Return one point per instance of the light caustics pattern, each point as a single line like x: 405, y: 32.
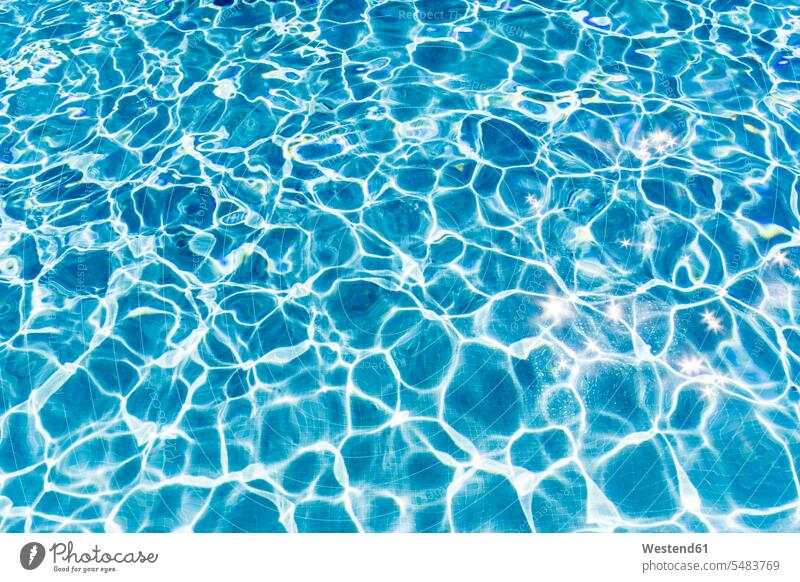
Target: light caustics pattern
x: 381, y: 266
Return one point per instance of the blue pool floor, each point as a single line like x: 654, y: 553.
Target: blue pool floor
x: 431, y: 266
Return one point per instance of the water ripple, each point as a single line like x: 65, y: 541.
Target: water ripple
x: 461, y: 265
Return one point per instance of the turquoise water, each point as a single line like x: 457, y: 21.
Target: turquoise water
x: 399, y: 266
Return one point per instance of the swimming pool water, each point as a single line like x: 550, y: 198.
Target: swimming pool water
x: 444, y: 265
